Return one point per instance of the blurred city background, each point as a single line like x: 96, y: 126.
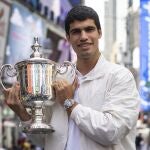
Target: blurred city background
x: 125, y: 40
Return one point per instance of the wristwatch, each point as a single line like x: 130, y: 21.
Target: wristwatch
x: 68, y: 103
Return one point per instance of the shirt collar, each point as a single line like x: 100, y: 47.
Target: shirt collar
x: 96, y: 72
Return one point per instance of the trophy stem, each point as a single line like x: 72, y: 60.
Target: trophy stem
x: 38, y: 124
x: 37, y: 113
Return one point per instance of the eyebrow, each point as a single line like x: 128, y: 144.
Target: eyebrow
x: 78, y: 29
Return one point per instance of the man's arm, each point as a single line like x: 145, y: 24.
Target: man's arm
x: 116, y: 118
x: 12, y: 99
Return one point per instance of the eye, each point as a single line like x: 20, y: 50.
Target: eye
x: 75, y: 31
x: 90, y: 29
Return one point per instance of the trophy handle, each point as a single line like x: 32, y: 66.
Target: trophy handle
x: 9, y: 68
x: 63, y: 68
x: 67, y: 71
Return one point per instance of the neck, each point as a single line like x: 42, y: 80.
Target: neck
x: 85, y: 66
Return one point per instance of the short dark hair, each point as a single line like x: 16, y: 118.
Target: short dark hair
x: 81, y: 13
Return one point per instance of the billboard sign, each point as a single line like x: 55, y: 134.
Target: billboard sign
x: 4, y: 19
x: 24, y: 26
x: 145, y: 54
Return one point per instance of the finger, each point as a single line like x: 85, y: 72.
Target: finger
x: 75, y: 83
x: 56, y: 86
x: 17, y: 93
x: 6, y: 91
x: 55, y: 83
x: 13, y: 95
x: 8, y: 96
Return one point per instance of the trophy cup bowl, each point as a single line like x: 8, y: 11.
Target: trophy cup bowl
x: 36, y: 76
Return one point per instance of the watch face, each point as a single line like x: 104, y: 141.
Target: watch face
x: 68, y: 103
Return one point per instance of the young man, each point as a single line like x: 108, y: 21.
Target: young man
x: 99, y: 110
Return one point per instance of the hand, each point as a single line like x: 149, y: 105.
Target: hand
x: 64, y: 90
x: 12, y: 99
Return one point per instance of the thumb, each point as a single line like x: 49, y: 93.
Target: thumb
x: 75, y: 83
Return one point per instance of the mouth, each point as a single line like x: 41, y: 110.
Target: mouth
x: 84, y: 45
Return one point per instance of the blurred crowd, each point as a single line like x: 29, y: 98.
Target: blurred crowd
x: 23, y: 143
x: 143, y: 132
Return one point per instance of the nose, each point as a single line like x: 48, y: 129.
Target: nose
x: 83, y: 36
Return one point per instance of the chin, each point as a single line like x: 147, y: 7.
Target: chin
x: 85, y: 56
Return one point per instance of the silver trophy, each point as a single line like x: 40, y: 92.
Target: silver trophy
x: 36, y: 76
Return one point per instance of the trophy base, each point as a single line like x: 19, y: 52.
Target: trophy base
x: 39, y: 128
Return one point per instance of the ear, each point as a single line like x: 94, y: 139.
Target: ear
x: 100, y: 33
x: 67, y: 37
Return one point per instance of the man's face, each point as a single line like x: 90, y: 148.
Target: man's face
x: 83, y: 36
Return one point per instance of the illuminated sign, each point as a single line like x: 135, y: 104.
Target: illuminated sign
x: 145, y: 54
